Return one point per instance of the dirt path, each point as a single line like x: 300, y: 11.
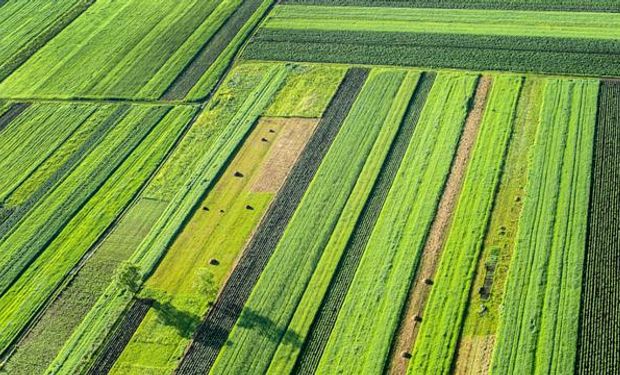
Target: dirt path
x: 420, y: 291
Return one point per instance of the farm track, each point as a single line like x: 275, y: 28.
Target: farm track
x: 213, y: 332
x: 120, y: 336
x: 210, y: 51
x: 420, y: 291
x: 599, y: 332
x: 18, y: 213
x: 41, y: 40
x: 13, y: 112
x: 325, y: 319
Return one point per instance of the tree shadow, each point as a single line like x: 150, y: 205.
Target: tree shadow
x: 184, y: 322
x: 251, y: 319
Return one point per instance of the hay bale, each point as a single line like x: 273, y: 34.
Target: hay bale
x: 214, y: 262
x: 238, y: 174
x: 406, y: 355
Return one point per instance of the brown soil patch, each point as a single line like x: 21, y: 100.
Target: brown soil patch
x: 294, y: 134
x: 474, y: 356
x: 420, y: 290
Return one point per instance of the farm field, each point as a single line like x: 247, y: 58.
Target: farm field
x: 309, y: 187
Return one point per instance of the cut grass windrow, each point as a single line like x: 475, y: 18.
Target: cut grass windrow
x: 81, y: 348
x: 598, y: 329
x: 540, y: 314
x: 360, y: 339
x: 305, y: 359
x: 445, y: 309
x: 333, y: 194
x: 213, y: 332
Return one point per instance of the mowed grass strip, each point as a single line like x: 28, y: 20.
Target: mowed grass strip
x: 369, y: 316
x: 435, y: 345
x: 540, y: 316
x: 262, y: 323
x: 79, y: 350
x: 40, y: 279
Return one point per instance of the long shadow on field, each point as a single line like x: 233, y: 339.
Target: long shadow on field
x: 253, y: 320
x: 184, y: 322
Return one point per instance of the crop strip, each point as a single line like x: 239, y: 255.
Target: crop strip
x: 210, y: 51
x: 419, y: 292
x: 598, y: 349
x: 330, y: 306
x: 8, y: 116
x: 8, y: 67
x: 121, y: 335
x: 213, y: 331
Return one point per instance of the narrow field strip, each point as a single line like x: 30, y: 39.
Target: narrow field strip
x: 305, y: 358
x: 34, y: 286
x: 26, y: 26
x: 217, y: 230
x: 10, y: 112
x: 598, y: 349
x: 431, y: 254
x: 214, y: 330
x: 563, y: 5
x: 81, y: 348
x: 444, y: 311
x: 540, y: 316
x: 360, y: 339
x: 481, y: 318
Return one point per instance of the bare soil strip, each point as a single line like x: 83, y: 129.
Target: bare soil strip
x: 431, y: 255
x: 213, y: 331
x: 290, y: 143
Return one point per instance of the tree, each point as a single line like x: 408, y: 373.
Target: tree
x: 206, y: 283
x: 128, y: 276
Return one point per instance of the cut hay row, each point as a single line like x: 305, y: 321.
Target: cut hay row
x: 46, y: 272
x: 540, y: 315
x: 444, y: 312
x: 564, y: 5
x: 598, y: 329
x: 360, y: 339
x: 328, y: 307
x: 81, y: 348
x: 26, y: 26
x: 214, y: 330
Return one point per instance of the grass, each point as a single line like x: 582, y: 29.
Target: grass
x: 360, y: 339
x: 261, y: 326
x: 79, y: 350
x: 307, y: 92
x: 539, y: 321
x: 444, y: 313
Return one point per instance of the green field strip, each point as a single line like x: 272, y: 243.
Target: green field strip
x: 394, y: 237
x: 91, y: 59
x: 598, y: 329
x: 307, y: 91
x: 26, y: 26
x: 223, y: 230
x: 500, y: 237
x: 242, y: 26
x: 284, y: 359
x: 39, y: 347
x: 34, y: 286
x: 540, y: 316
x: 454, y: 21
x: 567, y: 56
x: 307, y: 357
x: 79, y: 351
x: 563, y: 5
x: 44, y: 222
x: 10, y: 111
x: 444, y: 312
x: 362, y: 138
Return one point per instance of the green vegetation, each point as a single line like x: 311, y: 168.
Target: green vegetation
x: 539, y: 321
x: 259, y: 329
x: 444, y: 312
x: 307, y: 91
x: 370, y: 313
